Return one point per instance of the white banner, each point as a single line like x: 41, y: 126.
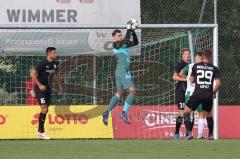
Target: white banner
x: 68, y: 11
x: 62, y: 12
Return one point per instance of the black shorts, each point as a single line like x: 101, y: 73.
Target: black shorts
x: 43, y: 97
x: 195, y: 100
x: 180, y: 98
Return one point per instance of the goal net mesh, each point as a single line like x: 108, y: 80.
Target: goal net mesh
x: 87, y: 68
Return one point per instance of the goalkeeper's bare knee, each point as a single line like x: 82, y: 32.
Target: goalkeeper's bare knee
x: 132, y: 90
x: 119, y: 93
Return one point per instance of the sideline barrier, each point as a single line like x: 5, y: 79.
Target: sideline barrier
x: 20, y: 122
x: 80, y: 121
x: 159, y: 122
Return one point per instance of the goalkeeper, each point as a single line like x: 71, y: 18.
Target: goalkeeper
x: 122, y: 73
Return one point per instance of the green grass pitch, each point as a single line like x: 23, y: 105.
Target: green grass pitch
x: 119, y: 149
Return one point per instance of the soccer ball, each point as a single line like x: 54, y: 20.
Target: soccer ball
x: 132, y: 24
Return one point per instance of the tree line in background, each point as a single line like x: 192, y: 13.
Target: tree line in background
x: 186, y: 11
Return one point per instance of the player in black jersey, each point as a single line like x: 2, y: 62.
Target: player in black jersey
x: 180, y: 89
x: 40, y: 75
x: 203, y: 75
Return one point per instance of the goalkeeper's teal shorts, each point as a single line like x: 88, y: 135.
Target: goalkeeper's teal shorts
x: 124, y: 82
x: 187, y: 96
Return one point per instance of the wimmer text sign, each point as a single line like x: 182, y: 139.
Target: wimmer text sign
x: 68, y: 11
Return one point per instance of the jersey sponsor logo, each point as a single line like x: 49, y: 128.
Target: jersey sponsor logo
x: 204, y: 86
x: 63, y: 119
x: 204, y: 67
x: 50, y: 71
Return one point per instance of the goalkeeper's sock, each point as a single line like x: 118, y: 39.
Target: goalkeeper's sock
x: 113, y: 102
x: 210, y: 125
x: 128, y: 102
x: 41, y: 122
x: 201, y: 124
x: 178, y: 124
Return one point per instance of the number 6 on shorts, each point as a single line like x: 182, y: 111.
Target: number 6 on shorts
x: 42, y: 100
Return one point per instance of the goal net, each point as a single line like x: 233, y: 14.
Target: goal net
x: 87, y: 68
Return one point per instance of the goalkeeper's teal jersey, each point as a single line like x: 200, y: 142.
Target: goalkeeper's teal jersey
x: 123, y: 60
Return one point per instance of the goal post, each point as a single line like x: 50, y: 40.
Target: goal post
x: 216, y: 101
x: 154, y: 44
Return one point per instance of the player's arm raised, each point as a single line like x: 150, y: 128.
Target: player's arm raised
x: 134, y: 42
x: 126, y: 41
x: 34, y: 76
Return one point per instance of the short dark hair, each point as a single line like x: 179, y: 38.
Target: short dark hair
x: 49, y: 49
x: 207, y: 53
x: 199, y: 53
x: 115, y: 32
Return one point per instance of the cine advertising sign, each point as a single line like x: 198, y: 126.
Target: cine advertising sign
x: 68, y: 11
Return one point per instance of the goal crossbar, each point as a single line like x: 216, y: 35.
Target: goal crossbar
x: 141, y: 26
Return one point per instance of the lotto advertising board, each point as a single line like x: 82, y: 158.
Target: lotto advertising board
x: 147, y: 122
x: 21, y: 122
